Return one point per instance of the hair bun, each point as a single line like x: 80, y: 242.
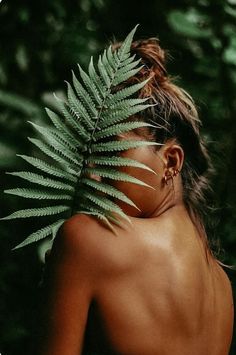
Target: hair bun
x: 152, y: 57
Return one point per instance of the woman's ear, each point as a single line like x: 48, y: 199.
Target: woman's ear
x: 173, y: 157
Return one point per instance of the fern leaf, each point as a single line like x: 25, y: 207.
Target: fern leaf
x: 49, y: 169
x: 118, y: 146
x: 37, y: 194
x: 103, y: 73
x: 92, y: 113
x: 125, y: 104
x: 114, y: 175
x: 126, y: 92
x: 101, y: 215
x: 121, y: 115
x: 84, y: 96
x: 108, y: 67
x: 124, y: 50
x: 96, y: 79
x: 61, y: 127
x: 41, y: 180
x: 90, y: 86
x: 63, y: 140
x: 117, y: 161
x: 41, y: 233
x: 105, y: 203
x: 45, y: 148
x: 81, y: 110
x: 55, y: 144
x: 119, y: 79
x: 120, y: 128
x: 37, y: 212
x: 109, y: 190
x: 112, y: 60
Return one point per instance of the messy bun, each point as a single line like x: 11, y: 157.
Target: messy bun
x: 175, y: 117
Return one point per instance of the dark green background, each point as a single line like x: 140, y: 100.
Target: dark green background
x: 40, y: 41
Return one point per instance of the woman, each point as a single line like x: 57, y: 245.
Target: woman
x: 155, y: 288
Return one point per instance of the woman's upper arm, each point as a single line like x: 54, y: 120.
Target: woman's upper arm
x: 69, y: 291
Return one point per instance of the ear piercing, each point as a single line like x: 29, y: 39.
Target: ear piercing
x: 176, y: 172
x: 169, y: 175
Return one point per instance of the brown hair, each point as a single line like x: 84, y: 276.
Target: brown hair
x: 175, y: 117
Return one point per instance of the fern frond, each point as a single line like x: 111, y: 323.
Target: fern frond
x: 37, y: 212
x: 105, y: 203
x: 114, y: 175
x: 120, y: 115
x: 117, y: 161
x: 96, y: 79
x: 56, y: 145
x: 84, y: 97
x: 125, y: 75
x: 80, y: 108
x: 100, y: 214
x: 109, y: 190
x: 107, y: 81
x: 126, y: 92
x: 49, y: 169
x: 95, y: 109
x: 56, y: 155
x: 124, y: 50
x: 37, y: 194
x: 90, y: 86
x: 62, y: 127
x: 117, y: 146
x: 119, y: 128
x: 41, y: 233
x: 41, y: 180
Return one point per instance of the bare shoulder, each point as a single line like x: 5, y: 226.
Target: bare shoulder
x: 82, y: 238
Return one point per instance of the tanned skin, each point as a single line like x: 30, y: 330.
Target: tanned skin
x: 155, y: 287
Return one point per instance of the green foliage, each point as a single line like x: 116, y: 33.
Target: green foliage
x: 90, y: 114
x: 38, y: 43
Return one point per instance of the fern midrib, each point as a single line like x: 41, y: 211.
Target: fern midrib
x: 108, y: 92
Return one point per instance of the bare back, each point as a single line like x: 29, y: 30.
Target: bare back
x: 159, y: 295
x: 151, y: 288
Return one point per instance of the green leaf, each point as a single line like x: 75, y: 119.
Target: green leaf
x: 126, y: 92
x: 124, y: 50
x: 56, y: 155
x: 84, y: 96
x: 37, y: 194
x: 55, y: 144
x: 189, y: 23
x: 81, y: 110
x: 121, y: 115
x: 118, y: 146
x: 114, y: 175
x: 96, y: 79
x: 117, y: 161
x: 109, y: 190
x: 90, y: 86
x: 41, y: 180
x: 105, y: 203
x: 120, y: 128
x: 37, y: 212
x: 61, y: 127
x: 103, y: 73
x: 41, y: 233
x: 49, y: 169
x: 125, y: 76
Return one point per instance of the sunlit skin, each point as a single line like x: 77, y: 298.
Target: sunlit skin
x: 152, y: 285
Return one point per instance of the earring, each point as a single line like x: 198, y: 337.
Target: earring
x: 176, y: 172
x: 167, y: 176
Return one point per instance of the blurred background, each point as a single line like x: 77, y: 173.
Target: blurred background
x: 40, y: 42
